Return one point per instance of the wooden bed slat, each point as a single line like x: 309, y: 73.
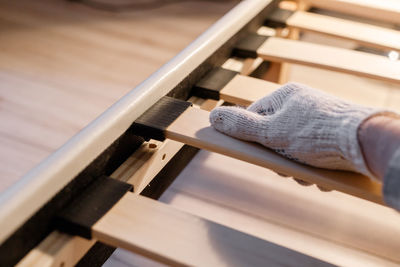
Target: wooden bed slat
x: 163, y: 233
x: 384, y: 10
x: 362, y: 33
x: 193, y: 128
x: 330, y: 58
x: 243, y: 90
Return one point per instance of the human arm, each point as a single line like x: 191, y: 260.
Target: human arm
x: 314, y: 128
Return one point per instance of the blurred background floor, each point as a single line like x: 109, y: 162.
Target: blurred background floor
x: 62, y: 64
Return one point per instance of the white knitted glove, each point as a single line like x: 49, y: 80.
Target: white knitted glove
x: 302, y: 124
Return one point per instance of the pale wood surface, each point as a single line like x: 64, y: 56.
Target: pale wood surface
x: 331, y: 58
x: 347, y: 86
x: 335, y: 227
x: 57, y: 249
x: 63, y: 64
x: 386, y: 10
x: 362, y: 33
x: 143, y: 165
x: 139, y: 169
x: 193, y: 127
x: 171, y: 236
x: 244, y: 90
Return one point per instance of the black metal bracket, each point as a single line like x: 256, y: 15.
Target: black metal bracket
x: 212, y: 83
x: 79, y: 217
x: 278, y: 18
x: 247, y: 47
x: 154, y: 122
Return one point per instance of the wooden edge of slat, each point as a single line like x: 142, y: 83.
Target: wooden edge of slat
x: 163, y: 233
x: 362, y: 33
x: 59, y: 249
x: 244, y: 90
x: 244, y: 66
x: 387, y: 11
x: 330, y: 58
x: 140, y: 168
x: 193, y: 128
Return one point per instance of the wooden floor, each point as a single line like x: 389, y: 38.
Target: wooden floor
x: 62, y: 64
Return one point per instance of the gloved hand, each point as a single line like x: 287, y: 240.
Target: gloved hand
x: 302, y: 124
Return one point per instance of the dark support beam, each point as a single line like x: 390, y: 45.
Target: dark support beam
x: 247, y: 47
x: 212, y: 83
x: 278, y: 18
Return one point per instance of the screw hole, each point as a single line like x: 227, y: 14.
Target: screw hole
x: 163, y: 156
x: 152, y: 145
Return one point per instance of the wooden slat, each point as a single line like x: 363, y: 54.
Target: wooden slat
x: 158, y: 231
x: 139, y: 169
x: 362, y: 33
x: 384, y: 10
x: 193, y: 128
x: 244, y: 90
x: 331, y: 58
x: 246, y: 196
x: 57, y: 249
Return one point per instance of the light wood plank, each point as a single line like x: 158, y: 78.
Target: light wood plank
x: 244, y: 90
x: 362, y: 33
x: 260, y: 194
x: 383, y: 10
x: 193, y: 128
x: 56, y: 250
x: 139, y: 169
x: 158, y: 231
x: 331, y: 58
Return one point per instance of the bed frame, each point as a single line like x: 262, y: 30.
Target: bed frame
x: 99, y: 190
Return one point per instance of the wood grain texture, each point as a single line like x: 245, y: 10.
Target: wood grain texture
x: 387, y: 10
x: 174, y: 237
x: 57, y: 249
x: 334, y: 227
x: 139, y: 169
x: 331, y: 58
x: 62, y: 64
x: 362, y: 33
x: 193, y: 128
x: 244, y: 90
